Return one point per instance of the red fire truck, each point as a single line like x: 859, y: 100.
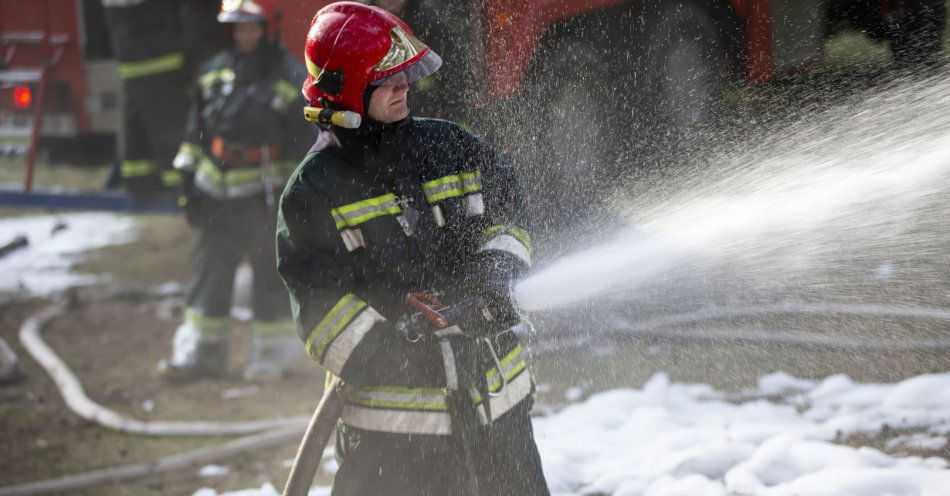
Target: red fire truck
x: 576, y: 71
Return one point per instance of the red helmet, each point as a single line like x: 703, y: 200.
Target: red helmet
x: 235, y: 11
x: 351, y: 46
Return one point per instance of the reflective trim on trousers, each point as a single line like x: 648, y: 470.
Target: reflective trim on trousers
x: 204, y: 323
x: 397, y: 421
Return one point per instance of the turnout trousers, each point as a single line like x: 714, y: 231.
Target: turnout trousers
x: 152, y: 119
x: 506, y: 461
x: 232, y: 230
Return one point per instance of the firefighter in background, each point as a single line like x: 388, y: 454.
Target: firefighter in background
x: 242, y: 127
x: 157, y: 43
x: 388, y: 205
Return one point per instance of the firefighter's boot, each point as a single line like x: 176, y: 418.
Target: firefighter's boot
x: 196, y: 354
x: 274, y: 351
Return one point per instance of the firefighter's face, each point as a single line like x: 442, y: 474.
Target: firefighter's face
x: 247, y: 35
x: 390, y: 101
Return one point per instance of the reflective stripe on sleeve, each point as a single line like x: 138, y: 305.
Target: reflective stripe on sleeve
x: 336, y: 336
x: 149, y: 67
x: 509, y: 239
x: 452, y: 186
x: 508, y: 244
x: 359, y: 212
x: 340, y: 349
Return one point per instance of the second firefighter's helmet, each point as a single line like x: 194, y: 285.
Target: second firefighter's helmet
x: 237, y: 11
x: 352, y: 46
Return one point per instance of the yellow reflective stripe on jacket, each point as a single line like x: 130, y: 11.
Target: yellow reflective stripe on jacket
x: 204, y: 322
x: 400, y: 398
x: 359, y: 212
x: 512, y: 365
x: 148, y: 67
x: 286, y: 91
x: 472, y: 181
x: 209, y: 78
x: 332, y: 325
x: 233, y: 177
x: 520, y: 234
x: 137, y: 168
x: 452, y: 186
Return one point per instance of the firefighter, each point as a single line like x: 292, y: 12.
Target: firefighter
x: 385, y: 204
x: 233, y: 161
x: 156, y: 43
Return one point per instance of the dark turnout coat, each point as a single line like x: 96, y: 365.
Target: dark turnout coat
x: 369, y: 216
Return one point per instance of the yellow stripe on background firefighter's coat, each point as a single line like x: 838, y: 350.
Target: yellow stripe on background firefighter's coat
x: 232, y: 183
x: 348, y: 217
x: 137, y: 168
x: 508, y: 238
x: 425, y: 410
x: 286, y: 91
x: 210, y: 78
x: 149, y: 67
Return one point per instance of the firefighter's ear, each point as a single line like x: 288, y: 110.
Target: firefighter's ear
x: 330, y: 82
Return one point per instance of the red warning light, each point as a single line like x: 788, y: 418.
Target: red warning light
x: 22, y: 97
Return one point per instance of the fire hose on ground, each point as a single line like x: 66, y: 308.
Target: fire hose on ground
x: 267, y: 433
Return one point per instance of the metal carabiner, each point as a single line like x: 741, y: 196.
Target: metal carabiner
x: 501, y: 373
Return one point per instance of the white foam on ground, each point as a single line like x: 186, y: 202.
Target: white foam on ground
x: 45, y: 265
x: 670, y: 439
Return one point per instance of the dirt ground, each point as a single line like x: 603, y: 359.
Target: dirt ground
x: 115, y: 334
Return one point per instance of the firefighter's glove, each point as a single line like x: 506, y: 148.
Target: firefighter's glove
x: 494, y: 275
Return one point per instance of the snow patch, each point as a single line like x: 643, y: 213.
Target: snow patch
x: 44, y: 265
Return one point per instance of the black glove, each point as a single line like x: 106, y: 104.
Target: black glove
x: 493, y: 276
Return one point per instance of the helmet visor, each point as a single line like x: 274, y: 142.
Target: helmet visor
x: 424, y: 67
